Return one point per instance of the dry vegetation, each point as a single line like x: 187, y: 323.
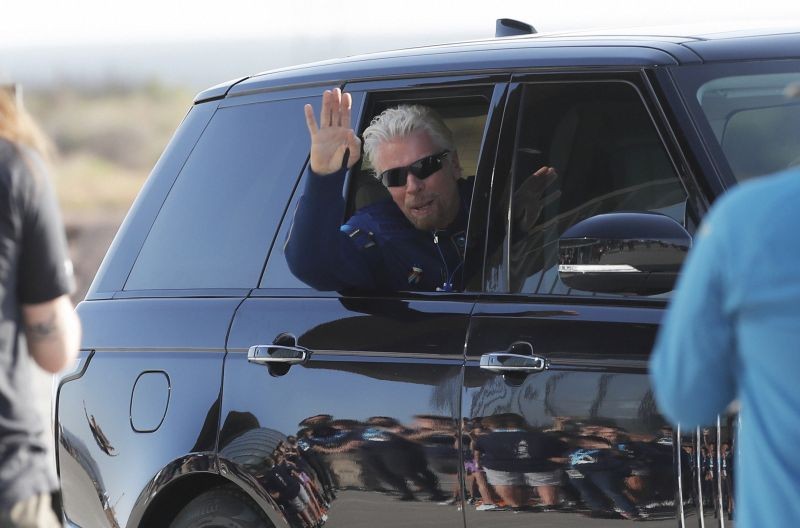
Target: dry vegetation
x: 106, y: 141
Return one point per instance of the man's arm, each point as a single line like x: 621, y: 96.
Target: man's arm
x: 317, y: 251
x: 53, y: 333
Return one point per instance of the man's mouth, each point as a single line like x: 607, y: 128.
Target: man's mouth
x: 421, y: 208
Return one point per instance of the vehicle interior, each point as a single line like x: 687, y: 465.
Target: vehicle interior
x: 754, y: 122
x: 608, y: 157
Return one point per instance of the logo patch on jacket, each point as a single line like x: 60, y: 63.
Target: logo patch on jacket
x: 415, y: 276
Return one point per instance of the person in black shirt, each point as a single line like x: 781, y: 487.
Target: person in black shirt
x: 37, y: 320
x: 515, y: 459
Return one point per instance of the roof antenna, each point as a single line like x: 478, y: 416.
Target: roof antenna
x: 508, y: 27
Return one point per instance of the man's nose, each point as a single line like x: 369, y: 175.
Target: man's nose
x: 413, y: 184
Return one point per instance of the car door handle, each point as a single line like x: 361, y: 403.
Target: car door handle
x: 509, y: 363
x: 287, y: 355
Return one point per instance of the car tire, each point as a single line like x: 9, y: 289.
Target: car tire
x: 222, y: 507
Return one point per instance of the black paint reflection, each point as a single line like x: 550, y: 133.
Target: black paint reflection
x: 280, y: 467
x: 97, y: 433
x: 373, y: 412
x: 605, y: 469
x: 708, y: 470
x: 516, y: 462
x: 72, y: 446
x: 303, y: 472
x: 593, y: 468
x: 388, y: 455
x: 585, y: 445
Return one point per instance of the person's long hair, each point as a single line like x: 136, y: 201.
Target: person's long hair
x: 18, y: 127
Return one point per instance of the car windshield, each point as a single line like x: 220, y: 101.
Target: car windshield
x: 751, y: 124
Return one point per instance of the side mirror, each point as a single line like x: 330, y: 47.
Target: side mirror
x: 627, y: 253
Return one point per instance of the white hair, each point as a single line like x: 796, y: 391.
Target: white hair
x: 402, y: 121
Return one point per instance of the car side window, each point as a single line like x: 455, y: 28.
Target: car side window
x: 580, y: 149
x: 216, y: 225
x: 464, y: 111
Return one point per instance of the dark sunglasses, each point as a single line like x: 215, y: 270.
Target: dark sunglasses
x: 422, y: 168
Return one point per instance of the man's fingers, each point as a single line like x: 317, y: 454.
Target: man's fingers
x: 354, y: 144
x: 336, y: 105
x: 353, y: 141
x: 310, y: 121
x: 545, y: 176
x: 325, y: 113
x: 344, y: 111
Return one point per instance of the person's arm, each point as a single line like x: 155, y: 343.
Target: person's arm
x: 53, y: 333
x: 51, y: 327
x: 317, y: 250
x: 693, y: 364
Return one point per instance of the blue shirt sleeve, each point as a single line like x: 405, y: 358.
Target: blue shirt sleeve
x: 693, y: 365
x: 317, y: 250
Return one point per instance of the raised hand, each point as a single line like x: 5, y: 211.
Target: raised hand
x: 535, y: 193
x: 333, y: 136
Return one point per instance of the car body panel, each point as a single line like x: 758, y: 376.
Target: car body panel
x: 359, y: 406
x: 105, y: 464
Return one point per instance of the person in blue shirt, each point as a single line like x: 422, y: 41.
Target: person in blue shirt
x: 732, y: 332
x: 413, y: 241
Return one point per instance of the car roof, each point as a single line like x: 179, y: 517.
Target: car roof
x: 631, y: 47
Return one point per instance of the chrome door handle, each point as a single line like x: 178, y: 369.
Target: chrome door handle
x: 287, y: 355
x: 506, y: 363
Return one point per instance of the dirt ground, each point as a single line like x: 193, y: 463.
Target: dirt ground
x: 88, y: 237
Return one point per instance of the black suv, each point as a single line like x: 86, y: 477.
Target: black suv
x: 214, y: 388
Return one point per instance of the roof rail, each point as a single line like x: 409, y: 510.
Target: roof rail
x: 508, y: 27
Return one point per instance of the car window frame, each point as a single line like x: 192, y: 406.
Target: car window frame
x: 115, y: 268
x: 274, y: 96
x: 638, y: 79
x: 364, y: 93
x: 688, y: 78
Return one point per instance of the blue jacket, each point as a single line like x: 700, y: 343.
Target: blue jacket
x: 733, y: 331
x: 377, y: 249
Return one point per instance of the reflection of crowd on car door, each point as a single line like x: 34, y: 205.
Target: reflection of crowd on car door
x: 592, y: 468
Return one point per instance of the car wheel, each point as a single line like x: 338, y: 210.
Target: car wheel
x: 222, y: 507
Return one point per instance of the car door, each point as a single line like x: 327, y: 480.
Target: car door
x: 345, y: 408
x: 573, y: 432
x: 141, y: 413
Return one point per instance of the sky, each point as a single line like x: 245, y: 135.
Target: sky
x: 36, y: 23
x: 48, y: 43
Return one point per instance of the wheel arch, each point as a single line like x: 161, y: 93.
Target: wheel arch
x: 185, y: 478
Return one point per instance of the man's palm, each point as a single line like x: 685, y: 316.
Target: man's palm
x: 332, y: 137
